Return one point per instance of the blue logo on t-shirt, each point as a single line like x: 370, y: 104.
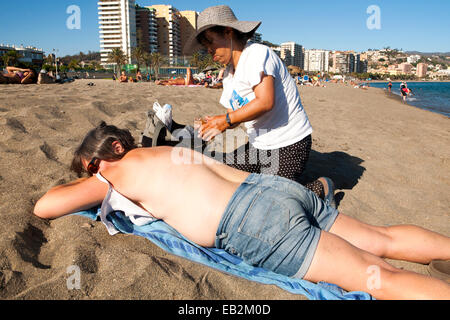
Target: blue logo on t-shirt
x: 237, y: 101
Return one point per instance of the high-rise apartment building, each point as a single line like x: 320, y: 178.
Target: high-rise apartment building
x: 317, y: 60
x: 168, y: 20
x: 405, y: 68
x: 117, y: 20
x: 188, y: 26
x: 146, y: 29
x: 340, y: 62
x: 292, y: 54
x: 348, y: 62
x: 422, y: 69
x: 257, y: 38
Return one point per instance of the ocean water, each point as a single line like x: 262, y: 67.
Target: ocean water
x: 432, y: 96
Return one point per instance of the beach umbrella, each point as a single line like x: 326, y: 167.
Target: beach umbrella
x: 210, y: 68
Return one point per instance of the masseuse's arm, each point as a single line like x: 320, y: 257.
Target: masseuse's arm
x: 263, y: 102
x: 76, y: 196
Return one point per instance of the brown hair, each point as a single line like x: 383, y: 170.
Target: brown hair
x: 98, y: 143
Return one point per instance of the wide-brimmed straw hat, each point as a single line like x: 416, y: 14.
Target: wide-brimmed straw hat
x: 219, y: 16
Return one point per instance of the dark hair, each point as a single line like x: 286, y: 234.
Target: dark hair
x: 240, y: 36
x: 35, y: 75
x: 98, y: 143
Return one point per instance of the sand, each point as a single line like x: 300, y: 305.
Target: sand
x: 390, y: 163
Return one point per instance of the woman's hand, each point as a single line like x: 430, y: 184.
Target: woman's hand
x: 213, y: 126
x: 263, y: 102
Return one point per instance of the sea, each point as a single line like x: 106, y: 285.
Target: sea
x: 431, y: 96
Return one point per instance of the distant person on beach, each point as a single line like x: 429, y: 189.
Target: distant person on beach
x: 188, y: 80
x: 404, y: 90
x: 259, y: 92
x: 217, y: 83
x: 18, y: 76
x: 390, y: 86
x: 123, y: 77
x: 138, y: 76
x: 268, y: 221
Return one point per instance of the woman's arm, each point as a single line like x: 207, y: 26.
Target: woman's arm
x: 27, y: 78
x: 76, y: 196
x: 12, y: 69
x: 263, y: 102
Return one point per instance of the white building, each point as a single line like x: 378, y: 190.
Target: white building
x: 317, y: 60
x: 117, y: 20
x: 292, y: 54
x: 28, y: 54
x: 413, y: 59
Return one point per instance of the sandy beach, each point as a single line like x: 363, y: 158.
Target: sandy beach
x: 390, y: 163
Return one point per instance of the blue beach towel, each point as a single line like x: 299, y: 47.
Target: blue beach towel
x: 170, y: 240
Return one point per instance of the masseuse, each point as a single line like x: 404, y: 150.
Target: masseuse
x: 259, y: 92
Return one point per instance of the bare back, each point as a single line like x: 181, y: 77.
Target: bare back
x: 187, y: 190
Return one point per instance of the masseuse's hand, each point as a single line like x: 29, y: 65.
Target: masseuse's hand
x: 213, y: 126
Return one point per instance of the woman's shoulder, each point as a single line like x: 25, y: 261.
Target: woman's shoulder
x: 256, y: 47
x: 256, y: 51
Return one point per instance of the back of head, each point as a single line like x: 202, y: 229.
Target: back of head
x: 35, y: 76
x: 98, y: 143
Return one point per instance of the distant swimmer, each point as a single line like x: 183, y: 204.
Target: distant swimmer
x: 404, y: 90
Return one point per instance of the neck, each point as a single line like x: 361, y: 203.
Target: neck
x: 236, y: 51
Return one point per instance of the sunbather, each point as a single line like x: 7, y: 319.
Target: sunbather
x: 123, y: 77
x: 18, y: 76
x: 268, y: 221
x: 188, y: 80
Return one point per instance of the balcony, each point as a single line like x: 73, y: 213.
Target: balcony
x: 117, y: 27
x: 111, y: 17
x: 106, y: 3
x: 106, y: 46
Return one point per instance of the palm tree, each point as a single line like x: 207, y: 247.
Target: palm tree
x: 50, y: 59
x: 196, y: 60
x: 95, y: 65
x: 118, y: 57
x: 138, y: 54
x: 11, y: 57
x: 157, y: 60
x: 203, y: 61
x: 74, y: 65
x: 147, y: 60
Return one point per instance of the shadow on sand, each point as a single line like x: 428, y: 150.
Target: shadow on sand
x: 345, y: 170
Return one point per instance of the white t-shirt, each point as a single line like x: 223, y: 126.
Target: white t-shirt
x: 287, y: 122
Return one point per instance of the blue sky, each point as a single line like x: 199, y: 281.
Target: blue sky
x: 326, y: 24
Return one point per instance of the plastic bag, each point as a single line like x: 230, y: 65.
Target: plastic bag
x: 164, y: 114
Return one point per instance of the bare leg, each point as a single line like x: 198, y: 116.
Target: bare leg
x: 189, y: 78
x: 337, y: 261
x: 404, y: 242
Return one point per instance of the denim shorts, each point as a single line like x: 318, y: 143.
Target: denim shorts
x: 274, y: 223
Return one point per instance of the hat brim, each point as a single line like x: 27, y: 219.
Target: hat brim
x: 242, y: 26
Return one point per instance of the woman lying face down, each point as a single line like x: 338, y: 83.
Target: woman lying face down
x: 268, y: 221
x: 18, y: 76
